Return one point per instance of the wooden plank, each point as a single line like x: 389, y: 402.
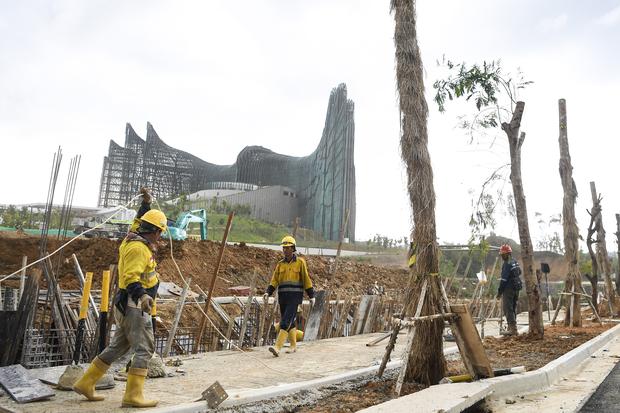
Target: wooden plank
x: 362, y: 311
x: 324, y: 317
x: 314, y: 319
x: 344, y: 314
x: 370, y: 314
x: 16, y: 381
x: 469, y: 343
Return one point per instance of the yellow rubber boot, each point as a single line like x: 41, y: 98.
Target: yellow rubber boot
x: 292, y: 338
x: 275, y: 350
x: 86, y: 384
x: 134, y: 391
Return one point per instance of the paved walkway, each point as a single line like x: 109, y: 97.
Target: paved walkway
x: 235, y: 371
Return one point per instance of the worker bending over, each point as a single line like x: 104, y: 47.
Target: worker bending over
x: 138, y: 283
x: 291, y: 279
x: 509, y: 288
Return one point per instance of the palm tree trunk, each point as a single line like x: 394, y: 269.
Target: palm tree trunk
x: 426, y: 361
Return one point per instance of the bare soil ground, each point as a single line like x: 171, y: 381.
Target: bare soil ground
x: 502, y: 352
x: 197, y: 259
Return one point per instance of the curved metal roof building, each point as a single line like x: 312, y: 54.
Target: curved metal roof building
x: 324, y: 180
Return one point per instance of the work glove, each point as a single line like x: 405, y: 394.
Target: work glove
x: 265, y: 298
x: 146, y: 195
x: 312, y: 300
x: 146, y: 303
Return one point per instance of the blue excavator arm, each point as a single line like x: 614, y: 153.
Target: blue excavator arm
x: 178, y: 230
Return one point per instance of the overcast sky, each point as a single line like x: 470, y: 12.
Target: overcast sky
x: 215, y: 76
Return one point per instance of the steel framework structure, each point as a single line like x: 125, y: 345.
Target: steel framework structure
x: 324, y: 180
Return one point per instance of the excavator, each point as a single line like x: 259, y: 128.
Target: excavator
x: 178, y: 228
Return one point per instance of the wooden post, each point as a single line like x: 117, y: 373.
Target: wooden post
x: 177, y: 317
x: 203, y: 320
x: 410, y: 336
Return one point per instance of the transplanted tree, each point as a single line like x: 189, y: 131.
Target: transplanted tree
x: 569, y: 223
x: 485, y: 85
x: 426, y: 362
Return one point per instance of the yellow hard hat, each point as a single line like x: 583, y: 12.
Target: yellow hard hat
x: 288, y: 241
x: 155, y: 217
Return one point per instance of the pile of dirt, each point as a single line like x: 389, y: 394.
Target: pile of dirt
x: 197, y: 259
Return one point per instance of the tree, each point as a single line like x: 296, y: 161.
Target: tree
x: 601, y: 249
x: 485, y: 85
x: 426, y: 362
x: 592, y: 229
x: 569, y: 223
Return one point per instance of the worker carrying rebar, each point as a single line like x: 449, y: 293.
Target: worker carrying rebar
x: 509, y: 287
x: 291, y: 278
x: 138, y: 282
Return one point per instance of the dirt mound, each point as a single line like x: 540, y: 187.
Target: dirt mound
x: 198, y: 260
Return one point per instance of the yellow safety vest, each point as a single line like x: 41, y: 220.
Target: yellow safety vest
x: 136, y: 263
x: 291, y: 276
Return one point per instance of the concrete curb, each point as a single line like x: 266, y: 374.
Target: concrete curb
x: 245, y: 396
x: 512, y: 385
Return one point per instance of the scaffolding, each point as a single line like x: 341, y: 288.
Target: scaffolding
x: 324, y: 180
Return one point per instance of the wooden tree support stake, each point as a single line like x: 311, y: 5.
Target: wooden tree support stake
x: 410, y: 336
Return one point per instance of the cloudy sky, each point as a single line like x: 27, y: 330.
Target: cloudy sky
x: 215, y: 76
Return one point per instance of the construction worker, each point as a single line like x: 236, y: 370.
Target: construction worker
x: 509, y: 288
x: 138, y: 282
x: 291, y: 279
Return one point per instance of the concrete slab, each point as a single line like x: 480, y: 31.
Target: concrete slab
x: 448, y: 398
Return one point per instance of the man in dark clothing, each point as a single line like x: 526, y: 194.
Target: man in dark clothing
x: 509, y: 288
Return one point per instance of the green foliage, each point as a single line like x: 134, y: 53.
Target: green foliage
x: 494, y: 95
x: 24, y: 218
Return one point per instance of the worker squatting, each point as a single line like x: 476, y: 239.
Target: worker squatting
x: 138, y: 284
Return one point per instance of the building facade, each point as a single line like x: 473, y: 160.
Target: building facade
x: 323, y: 182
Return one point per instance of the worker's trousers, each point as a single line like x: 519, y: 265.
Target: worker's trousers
x: 134, y: 332
x: 288, y: 309
x: 510, y: 297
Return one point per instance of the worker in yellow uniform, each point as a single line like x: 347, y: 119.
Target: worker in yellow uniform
x: 138, y: 283
x: 291, y: 279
